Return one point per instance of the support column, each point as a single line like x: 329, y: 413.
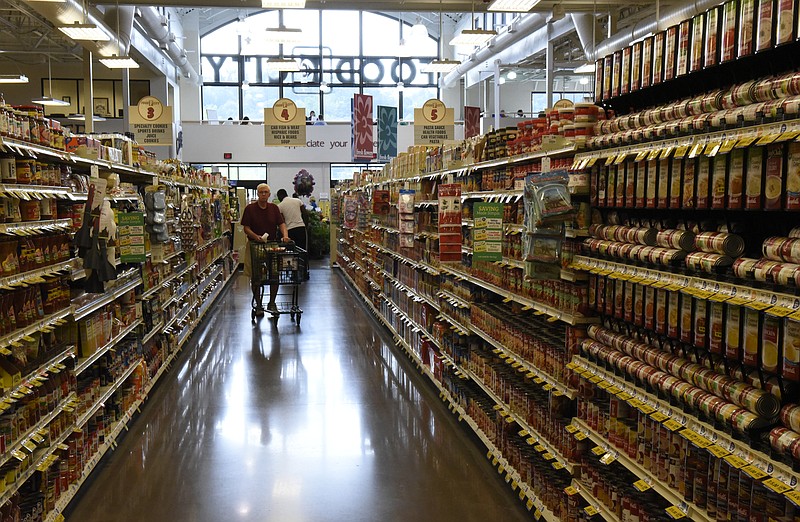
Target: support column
x: 497, y: 94
x: 88, y: 92
x: 549, y: 67
x: 126, y: 99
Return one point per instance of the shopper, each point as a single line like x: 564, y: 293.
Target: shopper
x: 293, y: 210
x: 312, y: 118
x: 262, y: 221
x: 320, y: 121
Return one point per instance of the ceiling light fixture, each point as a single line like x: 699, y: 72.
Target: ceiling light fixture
x: 473, y: 37
x: 49, y: 100
x: 13, y: 78
x: 283, y: 65
x: 501, y: 81
x: 513, y: 6
x: 586, y: 68
x: 440, y: 65
x: 401, y: 86
x: 324, y: 88
x: 283, y: 35
x: 283, y: 4
x: 584, y: 80
x: 512, y: 75
x: 88, y: 32
x: 119, y: 62
x: 81, y: 117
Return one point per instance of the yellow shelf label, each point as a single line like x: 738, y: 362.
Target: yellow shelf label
x: 746, y: 142
x: 658, y: 416
x: 581, y: 436
x: 755, y: 472
x: 795, y: 316
x: 514, y: 485
x: 595, y: 379
x: 510, y: 419
x: 736, y: 462
x: 570, y: 490
x: 794, y: 497
x: 776, y: 485
x: 608, y: 458
x: 767, y: 139
x: 548, y: 456
x: 788, y: 135
x: 538, y: 380
x: 548, y: 387
x: 558, y: 465
x: 641, y: 485
x: 727, y: 146
x: 571, y: 428
x: 524, y: 433
x: 604, y: 385
x: 531, y: 441
x: 779, y: 311
x: 572, y: 366
x: 500, y: 469
x: 625, y: 396
x: 646, y: 409
x: 591, y: 511
x: 672, y: 425
x: 540, y: 448
x: 681, y: 151
x: 757, y: 305
x: 597, y: 450
x: 522, y: 497
x: 675, y: 512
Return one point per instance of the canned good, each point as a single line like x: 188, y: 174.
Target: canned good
x: 790, y: 416
x: 677, y: 239
x: 724, y: 243
x: 763, y: 268
x: 744, y: 268
x: 706, y: 262
x: 773, y: 248
x: 783, y: 439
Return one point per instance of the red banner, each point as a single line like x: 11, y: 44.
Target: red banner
x: 472, y: 121
x: 363, y: 140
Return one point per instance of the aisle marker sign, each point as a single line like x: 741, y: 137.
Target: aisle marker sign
x: 284, y: 125
x: 151, y: 122
x: 487, y: 234
x: 131, y: 237
x: 434, y: 123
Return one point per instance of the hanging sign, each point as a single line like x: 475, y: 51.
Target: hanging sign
x: 472, y: 121
x: 487, y: 234
x: 362, y: 137
x: 151, y: 122
x: 433, y: 123
x: 131, y: 237
x: 387, y: 132
x: 284, y: 125
x: 450, y: 222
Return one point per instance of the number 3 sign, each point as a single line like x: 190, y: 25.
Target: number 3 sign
x: 150, y: 108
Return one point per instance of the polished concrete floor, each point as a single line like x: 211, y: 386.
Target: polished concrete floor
x: 275, y: 423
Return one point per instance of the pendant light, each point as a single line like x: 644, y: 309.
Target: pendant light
x: 473, y: 37
x: 84, y: 31
x: 283, y: 34
x: 283, y: 4
x: 513, y: 6
x: 13, y: 78
x: 440, y: 65
x: 119, y: 61
x: 49, y: 100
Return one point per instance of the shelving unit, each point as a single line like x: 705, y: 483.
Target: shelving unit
x: 34, y: 447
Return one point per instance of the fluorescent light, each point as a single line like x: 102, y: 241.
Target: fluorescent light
x: 501, y: 81
x: 13, y: 78
x: 283, y: 64
x: 283, y: 4
x: 475, y: 37
x: 513, y: 6
x: 439, y: 66
x: 119, y: 62
x: 82, y: 117
x: 586, y: 68
x: 284, y: 35
x: 584, y: 80
x: 52, y: 102
x: 324, y: 88
x: 78, y: 31
x: 512, y: 75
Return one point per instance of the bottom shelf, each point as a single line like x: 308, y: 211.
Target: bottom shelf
x: 122, y: 424
x: 512, y: 477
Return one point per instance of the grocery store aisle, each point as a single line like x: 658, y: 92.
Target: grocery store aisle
x: 276, y: 423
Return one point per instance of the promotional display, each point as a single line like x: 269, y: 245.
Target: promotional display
x: 387, y: 132
x: 131, y: 237
x: 362, y: 133
x: 450, y: 222
x: 487, y: 234
x: 472, y: 121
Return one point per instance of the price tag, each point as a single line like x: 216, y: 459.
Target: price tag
x: 794, y: 497
x: 595, y: 379
x: 672, y: 425
x: 608, y: 458
x: 653, y: 154
x: 531, y: 441
x: 776, y: 485
x: 646, y: 409
x: 591, y: 511
x: 59, y: 518
x: 625, y: 396
x: 779, y: 311
x: 536, y: 514
x: 540, y: 448
x: 641, y: 155
x: 696, y: 150
x: 736, y: 462
x: 788, y: 135
x: 548, y: 456
x: 614, y: 390
x: 746, y: 142
x: 610, y: 160
x: 570, y: 491
x: 597, y: 450
x: 571, y: 428
x: 642, y: 485
x: 514, y: 485
x: 757, y: 305
x: 581, y: 436
x: 500, y: 469
x: 592, y: 161
x: 604, y: 385
x: 713, y: 148
x: 530, y: 375
x: 727, y: 146
x: 548, y: 387
x: 755, y: 472
x: 509, y: 419
x: 675, y: 512
x: 558, y: 465
x: 523, y: 433
x: 538, y: 380
x: 620, y: 158
x: 29, y: 445
x: 795, y: 316
x: 658, y: 416
x: 767, y: 139
x: 522, y: 497
x: 681, y: 151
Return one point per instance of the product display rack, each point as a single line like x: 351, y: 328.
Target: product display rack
x: 47, y: 442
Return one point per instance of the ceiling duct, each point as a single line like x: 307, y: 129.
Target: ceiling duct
x: 519, y: 30
x: 151, y: 21
x: 669, y: 16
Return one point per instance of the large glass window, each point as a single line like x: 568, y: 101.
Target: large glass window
x: 349, y: 51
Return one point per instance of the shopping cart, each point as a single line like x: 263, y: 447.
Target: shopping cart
x: 280, y: 264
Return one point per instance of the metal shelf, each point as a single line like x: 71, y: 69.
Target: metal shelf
x: 83, y: 364
x: 113, y: 294
x: 35, y: 275
x: 36, y: 228
x: 35, y: 378
x: 43, y: 324
x: 596, y: 504
x: 169, y: 279
x: 107, y: 393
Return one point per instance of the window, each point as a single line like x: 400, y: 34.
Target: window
x: 334, y: 51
